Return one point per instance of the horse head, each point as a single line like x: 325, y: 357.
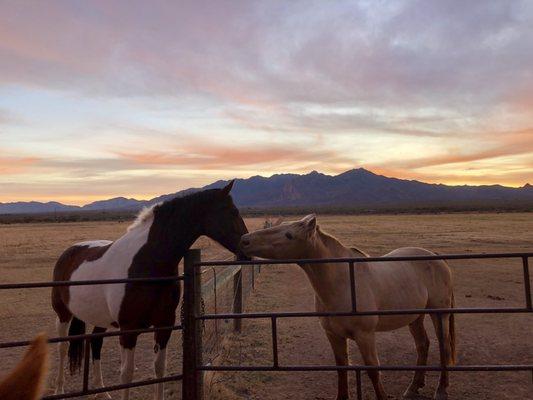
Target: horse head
x: 286, y: 240
x: 222, y: 221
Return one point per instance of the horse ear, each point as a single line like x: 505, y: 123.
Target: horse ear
x: 309, y: 222
x: 226, y: 189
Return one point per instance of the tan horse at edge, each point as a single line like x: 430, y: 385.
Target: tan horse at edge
x: 379, y: 286
x: 26, y: 381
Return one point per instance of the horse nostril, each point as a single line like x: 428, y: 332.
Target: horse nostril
x: 245, y: 242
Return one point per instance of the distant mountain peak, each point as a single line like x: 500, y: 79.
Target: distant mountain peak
x: 357, y: 188
x: 356, y: 171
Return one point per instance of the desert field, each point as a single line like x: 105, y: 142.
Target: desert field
x: 28, y: 253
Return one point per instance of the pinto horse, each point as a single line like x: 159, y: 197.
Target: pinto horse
x: 152, y: 247
x: 379, y: 286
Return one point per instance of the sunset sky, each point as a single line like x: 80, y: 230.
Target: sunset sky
x: 139, y: 98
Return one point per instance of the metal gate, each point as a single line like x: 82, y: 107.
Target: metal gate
x: 193, y: 366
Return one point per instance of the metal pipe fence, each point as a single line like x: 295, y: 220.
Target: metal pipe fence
x: 351, y: 263
x: 87, y: 337
x: 193, y: 318
x: 208, y: 289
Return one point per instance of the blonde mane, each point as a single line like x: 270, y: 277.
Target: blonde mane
x: 145, y: 216
x: 333, y: 241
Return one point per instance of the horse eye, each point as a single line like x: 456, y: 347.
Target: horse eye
x: 289, y: 235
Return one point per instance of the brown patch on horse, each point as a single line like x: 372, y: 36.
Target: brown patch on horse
x: 68, y: 262
x: 26, y: 381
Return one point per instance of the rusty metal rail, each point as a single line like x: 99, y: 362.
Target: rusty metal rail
x: 351, y: 263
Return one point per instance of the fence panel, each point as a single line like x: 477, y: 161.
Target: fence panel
x: 358, y: 368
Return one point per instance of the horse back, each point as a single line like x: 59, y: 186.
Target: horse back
x: 435, y: 275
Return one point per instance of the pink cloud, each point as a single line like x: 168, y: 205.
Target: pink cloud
x: 16, y: 165
x: 207, y: 156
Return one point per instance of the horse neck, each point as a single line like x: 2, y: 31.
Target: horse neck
x: 326, y: 278
x: 167, y: 243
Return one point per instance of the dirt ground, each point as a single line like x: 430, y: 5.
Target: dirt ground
x: 28, y: 252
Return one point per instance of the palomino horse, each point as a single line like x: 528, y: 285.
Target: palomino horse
x: 152, y: 247
x: 26, y: 381
x: 379, y: 286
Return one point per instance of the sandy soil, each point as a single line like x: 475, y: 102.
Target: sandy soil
x: 28, y: 252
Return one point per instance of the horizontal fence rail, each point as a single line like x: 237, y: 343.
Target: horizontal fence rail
x: 32, y: 285
x: 351, y: 263
x: 366, y: 259
x: 6, y: 345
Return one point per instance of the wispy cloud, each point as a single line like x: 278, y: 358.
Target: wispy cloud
x: 490, y: 146
x: 214, y: 156
x: 16, y: 165
x: 114, y: 90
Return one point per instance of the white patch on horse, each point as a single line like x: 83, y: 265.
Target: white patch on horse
x: 145, y: 216
x: 105, y: 300
x: 94, y: 243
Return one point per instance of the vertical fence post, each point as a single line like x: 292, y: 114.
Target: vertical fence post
x: 527, y: 285
x: 237, y: 299
x: 352, y: 287
x: 86, y: 357
x: 253, y: 277
x: 359, y: 384
x: 192, y: 388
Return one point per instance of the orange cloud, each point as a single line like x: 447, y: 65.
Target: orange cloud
x: 16, y: 165
x: 206, y: 156
x: 503, y: 144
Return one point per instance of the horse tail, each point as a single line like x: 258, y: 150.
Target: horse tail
x: 75, y: 348
x: 453, y: 355
x: 26, y: 381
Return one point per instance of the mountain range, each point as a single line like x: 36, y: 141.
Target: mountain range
x: 354, y: 189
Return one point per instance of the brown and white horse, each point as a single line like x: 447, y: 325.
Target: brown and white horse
x: 379, y: 286
x: 152, y: 247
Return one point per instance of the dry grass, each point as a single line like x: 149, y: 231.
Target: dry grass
x: 28, y: 253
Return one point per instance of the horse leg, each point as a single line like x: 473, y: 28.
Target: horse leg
x: 127, y: 357
x: 62, y: 331
x: 446, y: 355
x: 422, y: 346
x: 96, y: 349
x: 366, y: 341
x: 340, y: 350
x: 160, y: 361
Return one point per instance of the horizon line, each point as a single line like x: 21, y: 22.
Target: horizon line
x: 149, y: 197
